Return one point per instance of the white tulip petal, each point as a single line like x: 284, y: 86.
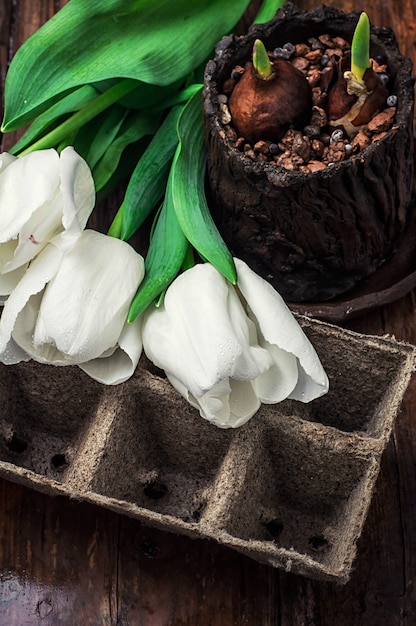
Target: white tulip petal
x: 7, y: 251
x: 244, y: 402
x: 278, y: 326
x: 42, y: 194
x: 229, y: 404
x: 196, y: 307
x: 9, y: 280
x: 214, y: 405
x: 71, y: 304
x: 121, y: 364
x: 6, y: 159
x: 13, y: 354
x: 253, y: 360
x: 215, y: 410
x: 306, y: 388
x: 39, y: 172
x: 170, y: 340
x: 193, y: 336
x: 279, y: 381
x: 23, y: 334
x: 32, y: 283
x: 41, y: 227
x: 78, y: 191
x: 180, y: 387
x: 85, y: 306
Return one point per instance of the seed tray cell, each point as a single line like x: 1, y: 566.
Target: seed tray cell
x: 291, y: 488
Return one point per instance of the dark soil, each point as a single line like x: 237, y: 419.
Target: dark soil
x: 318, y: 144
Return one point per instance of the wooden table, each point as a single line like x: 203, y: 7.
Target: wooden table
x: 73, y: 564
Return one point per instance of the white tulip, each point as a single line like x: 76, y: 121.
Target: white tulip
x: 227, y: 350
x: 71, y: 307
x: 42, y: 194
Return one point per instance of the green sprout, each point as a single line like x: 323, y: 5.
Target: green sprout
x: 261, y: 62
x: 360, y: 48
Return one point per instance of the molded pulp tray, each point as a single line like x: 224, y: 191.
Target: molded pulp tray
x: 291, y: 488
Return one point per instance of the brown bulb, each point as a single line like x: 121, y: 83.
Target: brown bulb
x: 375, y: 101
x: 353, y: 110
x: 263, y: 109
x: 339, y: 101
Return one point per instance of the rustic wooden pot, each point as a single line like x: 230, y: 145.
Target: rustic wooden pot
x: 317, y: 235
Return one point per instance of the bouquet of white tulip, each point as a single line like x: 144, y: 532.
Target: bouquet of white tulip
x: 73, y: 296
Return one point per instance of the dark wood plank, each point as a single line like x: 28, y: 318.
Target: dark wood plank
x: 191, y: 582
x: 58, y: 560
x: 399, y: 320
x: 68, y: 563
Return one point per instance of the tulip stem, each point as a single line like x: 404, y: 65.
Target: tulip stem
x: 81, y: 117
x: 189, y: 260
x: 116, y: 225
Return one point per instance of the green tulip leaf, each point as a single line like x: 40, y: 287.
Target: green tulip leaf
x: 148, y: 181
x: 360, y: 47
x: 69, y: 104
x: 153, y: 41
x: 164, y: 259
x: 261, y: 62
x: 180, y: 96
x: 60, y: 133
x: 125, y: 167
x: 136, y: 126
x: 188, y: 191
x: 96, y: 137
x: 144, y: 96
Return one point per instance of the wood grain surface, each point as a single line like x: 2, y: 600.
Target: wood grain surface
x: 66, y: 563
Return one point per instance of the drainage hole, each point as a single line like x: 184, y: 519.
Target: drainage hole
x: 275, y: 527
x: 318, y: 542
x: 149, y: 548
x: 59, y: 461
x: 155, y: 490
x: 16, y: 444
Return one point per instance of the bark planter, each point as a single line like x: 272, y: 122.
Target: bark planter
x: 313, y: 235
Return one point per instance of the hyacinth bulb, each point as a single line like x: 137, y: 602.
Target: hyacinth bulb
x: 352, y: 103
x: 355, y: 92
x: 333, y: 83
x: 263, y: 105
